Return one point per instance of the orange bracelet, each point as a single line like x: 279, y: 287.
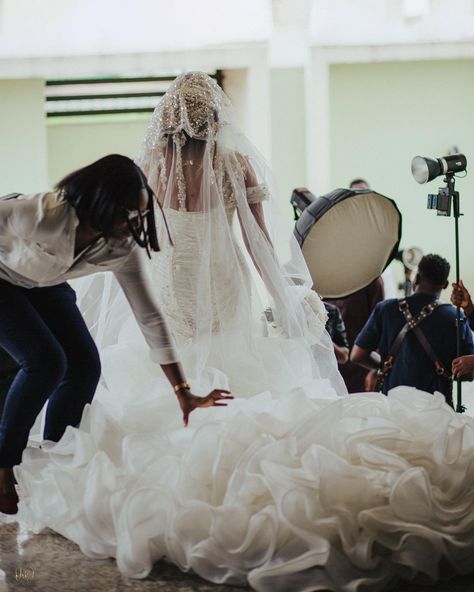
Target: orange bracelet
x: 181, y: 386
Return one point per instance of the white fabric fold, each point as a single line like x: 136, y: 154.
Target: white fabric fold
x: 294, y: 493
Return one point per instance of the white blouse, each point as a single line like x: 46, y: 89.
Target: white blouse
x: 37, y: 235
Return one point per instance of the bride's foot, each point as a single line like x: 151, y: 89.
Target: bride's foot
x: 8, y: 494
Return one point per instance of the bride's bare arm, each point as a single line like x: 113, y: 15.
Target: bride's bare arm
x: 256, y: 208
x: 258, y: 214
x: 251, y: 182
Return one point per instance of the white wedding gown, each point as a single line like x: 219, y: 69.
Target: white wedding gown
x: 289, y: 488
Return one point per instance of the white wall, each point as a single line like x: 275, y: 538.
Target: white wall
x: 49, y: 27
x: 381, y: 115
x: 368, y: 22
x: 68, y: 27
x: 22, y: 137
x: 74, y: 142
x: 249, y: 91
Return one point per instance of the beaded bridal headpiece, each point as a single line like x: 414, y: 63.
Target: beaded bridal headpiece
x: 191, y: 104
x: 194, y: 106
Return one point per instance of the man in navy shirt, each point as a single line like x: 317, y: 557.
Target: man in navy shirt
x: 412, y: 366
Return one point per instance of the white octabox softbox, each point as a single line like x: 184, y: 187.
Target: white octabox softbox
x: 348, y: 237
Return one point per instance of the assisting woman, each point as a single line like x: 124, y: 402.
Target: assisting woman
x: 98, y: 218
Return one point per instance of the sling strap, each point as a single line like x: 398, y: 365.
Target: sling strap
x: 440, y: 370
x: 412, y: 324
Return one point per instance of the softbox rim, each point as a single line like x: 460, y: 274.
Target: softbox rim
x: 322, y: 204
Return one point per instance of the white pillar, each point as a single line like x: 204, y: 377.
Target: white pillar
x: 23, y: 148
x: 318, y: 171
x: 258, y: 120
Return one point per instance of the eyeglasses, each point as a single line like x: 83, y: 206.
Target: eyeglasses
x: 133, y: 215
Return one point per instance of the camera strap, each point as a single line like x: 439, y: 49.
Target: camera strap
x: 412, y: 324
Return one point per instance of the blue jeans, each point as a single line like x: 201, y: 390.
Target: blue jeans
x: 44, y: 332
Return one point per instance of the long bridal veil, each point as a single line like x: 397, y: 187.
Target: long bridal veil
x: 239, y: 316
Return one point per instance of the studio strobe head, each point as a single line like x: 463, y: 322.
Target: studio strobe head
x: 427, y: 168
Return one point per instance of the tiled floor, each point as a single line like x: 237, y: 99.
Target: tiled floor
x: 47, y: 562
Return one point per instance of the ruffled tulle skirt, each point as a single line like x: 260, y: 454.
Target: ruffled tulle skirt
x: 304, y: 491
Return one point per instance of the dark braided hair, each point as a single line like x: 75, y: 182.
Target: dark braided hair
x: 108, y: 185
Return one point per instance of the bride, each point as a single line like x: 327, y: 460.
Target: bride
x: 212, y: 183
x: 212, y: 285
x: 294, y: 486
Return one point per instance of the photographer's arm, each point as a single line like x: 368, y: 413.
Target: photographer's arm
x: 366, y: 343
x: 342, y: 353
x: 461, y: 297
x: 365, y: 358
x: 463, y: 368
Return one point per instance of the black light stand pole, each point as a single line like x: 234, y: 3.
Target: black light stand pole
x: 449, y: 179
x: 407, y: 285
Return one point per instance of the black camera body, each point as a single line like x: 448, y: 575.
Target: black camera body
x: 441, y: 201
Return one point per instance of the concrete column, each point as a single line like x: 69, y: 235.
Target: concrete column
x: 23, y: 147
x: 317, y: 123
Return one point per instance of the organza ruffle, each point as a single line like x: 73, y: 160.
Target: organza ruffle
x: 304, y: 492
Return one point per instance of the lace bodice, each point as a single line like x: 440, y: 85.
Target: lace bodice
x: 179, y: 268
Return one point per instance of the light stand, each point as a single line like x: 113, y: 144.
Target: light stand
x: 449, y: 179
x: 442, y: 202
x: 409, y: 258
x: 407, y: 285
x: 427, y: 168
